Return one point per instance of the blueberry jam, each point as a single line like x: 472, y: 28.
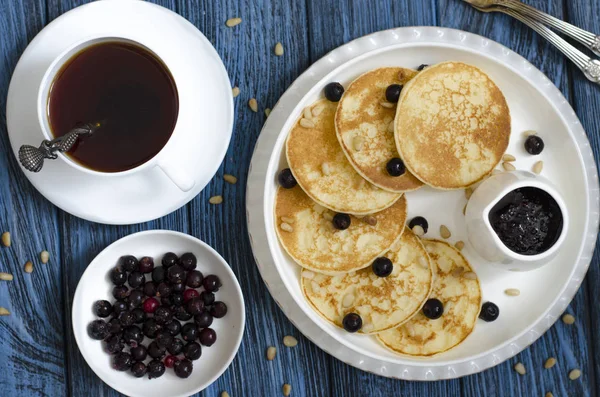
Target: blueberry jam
x: 527, y: 220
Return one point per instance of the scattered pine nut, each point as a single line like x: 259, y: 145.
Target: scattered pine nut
x: 391, y: 126
x: 235, y: 91
x: 537, y: 167
x: 287, y: 220
x: 568, y: 319
x: 458, y: 271
x: 574, y: 374
x: 306, y: 123
x: 512, y: 292
x: 44, y: 256
x: 528, y: 133
x: 358, y: 142
x: 253, y: 105
x: 418, y: 230
x: 470, y: 276
x: 387, y: 105
x: 6, y: 276
x: 317, y: 110
x: 551, y: 362
x: 28, y: 267
x: 267, y: 112
x: 508, y: 157
x: 230, y: 179
x: 520, y: 368
x: 6, y: 239
x: 3, y: 311
x: 445, y: 232
x: 231, y: 22
x: 549, y: 394
x: 287, y: 227
x: 468, y: 193
x: 287, y: 389
x: 307, y: 113
x: 279, y: 49
x: 271, y: 352
x: 290, y: 341
x: 508, y: 166
x: 370, y: 220
x: 459, y: 245
x: 215, y: 200
x: 224, y: 394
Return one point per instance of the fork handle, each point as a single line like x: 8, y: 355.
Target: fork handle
x: 590, y: 67
x: 588, y: 39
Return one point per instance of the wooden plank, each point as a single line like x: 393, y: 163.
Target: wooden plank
x: 332, y: 24
x: 568, y: 344
x: 33, y: 299
x: 247, y: 51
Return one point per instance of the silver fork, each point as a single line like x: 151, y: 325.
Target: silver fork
x: 588, y: 39
x: 590, y: 67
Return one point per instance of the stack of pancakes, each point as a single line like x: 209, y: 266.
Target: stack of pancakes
x: 450, y: 127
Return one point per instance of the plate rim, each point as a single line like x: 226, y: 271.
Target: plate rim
x: 327, y: 65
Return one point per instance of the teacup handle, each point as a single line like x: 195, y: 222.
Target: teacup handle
x: 176, y: 174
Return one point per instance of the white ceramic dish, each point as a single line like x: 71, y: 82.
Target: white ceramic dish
x: 201, y: 136
x: 569, y: 164
x: 95, y: 285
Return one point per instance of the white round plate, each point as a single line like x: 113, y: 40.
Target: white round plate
x: 535, y: 104
x: 95, y: 285
x: 149, y: 194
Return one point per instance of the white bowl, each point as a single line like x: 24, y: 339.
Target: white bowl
x: 95, y: 285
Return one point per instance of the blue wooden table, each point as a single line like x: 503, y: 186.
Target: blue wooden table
x: 38, y: 354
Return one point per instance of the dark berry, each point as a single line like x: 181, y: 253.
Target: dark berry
x: 114, y: 344
x: 422, y: 66
x: 150, y: 328
x: 333, y: 92
x: 122, y: 361
x: 103, y: 308
x: 170, y: 361
x: 194, y: 279
x: 178, y: 288
x: 98, y: 329
x: 192, y: 350
x: 150, y: 288
x: 120, y: 292
x: 182, y: 314
x: 188, y: 261
x: 395, y: 167
x: 114, y: 326
x: 139, y: 315
x: 138, y: 369
x: 176, y: 299
x: 135, y: 299
x: 382, y: 267
x: 162, y: 315
x: 433, y: 308
x: 207, y: 297
x: 189, y: 332
x: 155, y: 350
x: 136, y: 279
x: 158, y: 274
x: 189, y: 294
x: 419, y: 221
x: 352, y: 322
x: 341, y: 221
x: 163, y: 289
x: 207, y: 337
x: 218, y: 310
x: 133, y: 335
x: 119, y: 307
x: 169, y: 259
x: 176, y: 274
x: 183, y: 368
x: 166, y: 301
x: 150, y: 305
x: 139, y: 353
x: 203, y: 320
x: 286, y: 179
x: 392, y: 93
x: 176, y: 346
x: 489, y: 312
x: 173, y: 327
x: 129, y: 263
x: 146, y: 265
x: 126, y: 319
x: 534, y: 144
x: 118, y: 276
x: 164, y: 338
x: 156, y: 369
x: 211, y: 283
x: 194, y: 306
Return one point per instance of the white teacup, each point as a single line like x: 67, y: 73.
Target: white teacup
x: 483, y: 237
x: 165, y: 159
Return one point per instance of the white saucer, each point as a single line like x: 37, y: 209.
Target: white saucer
x: 535, y: 104
x: 150, y: 194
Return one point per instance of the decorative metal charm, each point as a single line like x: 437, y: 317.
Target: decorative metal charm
x: 32, y: 158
